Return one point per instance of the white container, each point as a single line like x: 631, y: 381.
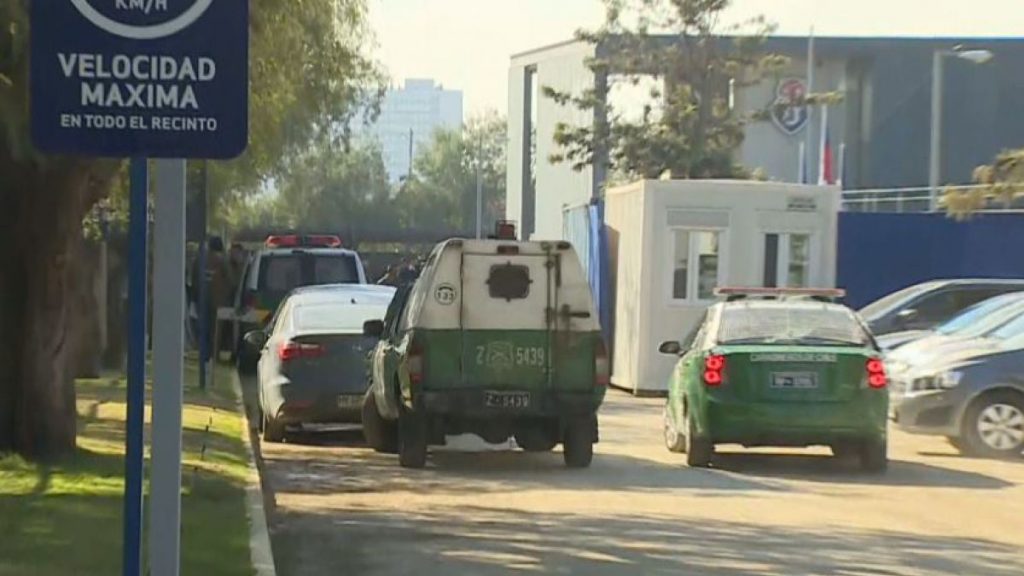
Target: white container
x: 671, y: 242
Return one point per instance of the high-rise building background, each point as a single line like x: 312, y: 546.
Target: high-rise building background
x: 411, y: 114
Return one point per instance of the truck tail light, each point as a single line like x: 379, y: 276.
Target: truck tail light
x: 602, y: 367
x: 291, y: 350
x: 876, y: 374
x: 415, y: 363
x: 714, y: 370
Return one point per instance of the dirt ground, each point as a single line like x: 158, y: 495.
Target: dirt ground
x: 339, y: 508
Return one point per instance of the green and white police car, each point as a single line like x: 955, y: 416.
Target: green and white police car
x: 778, y: 367
x: 497, y: 338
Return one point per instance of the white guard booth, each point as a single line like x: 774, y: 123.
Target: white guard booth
x: 672, y: 242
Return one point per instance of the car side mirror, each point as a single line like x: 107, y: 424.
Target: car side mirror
x: 671, y: 348
x: 256, y: 339
x: 373, y: 328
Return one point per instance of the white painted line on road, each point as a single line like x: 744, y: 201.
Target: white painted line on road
x: 260, y: 551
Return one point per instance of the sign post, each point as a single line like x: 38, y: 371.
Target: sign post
x: 146, y: 79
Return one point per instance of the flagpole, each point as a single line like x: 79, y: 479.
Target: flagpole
x: 842, y: 165
x: 822, y: 144
x: 810, y: 109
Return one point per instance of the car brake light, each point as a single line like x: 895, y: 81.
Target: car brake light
x: 292, y: 350
x: 415, y: 363
x: 602, y: 368
x: 714, y: 369
x: 876, y: 374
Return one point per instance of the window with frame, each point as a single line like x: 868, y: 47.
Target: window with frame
x: 787, y: 260
x: 696, y: 261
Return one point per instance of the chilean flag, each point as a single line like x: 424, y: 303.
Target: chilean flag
x: 826, y: 170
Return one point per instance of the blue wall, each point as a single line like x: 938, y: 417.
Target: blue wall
x: 880, y: 253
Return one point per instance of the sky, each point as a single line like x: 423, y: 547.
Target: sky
x: 467, y: 44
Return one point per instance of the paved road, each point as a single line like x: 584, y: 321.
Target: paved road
x: 341, y: 509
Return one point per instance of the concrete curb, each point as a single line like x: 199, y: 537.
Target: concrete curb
x: 260, y: 551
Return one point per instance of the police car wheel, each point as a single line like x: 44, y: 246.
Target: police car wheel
x: 874, y: 455
x: 699, y: 451
x: 994, y: 426
x: 380, y: 434
x: 578, y: 443
x: 674, y: 441
x: 412, y: 439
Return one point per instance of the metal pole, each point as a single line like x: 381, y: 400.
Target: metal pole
x: 479, y: 189
x: 935, y: 164
x: 136, y: 395
x: 202, y: 314
x: 168, y: 368
x: 806, y: 175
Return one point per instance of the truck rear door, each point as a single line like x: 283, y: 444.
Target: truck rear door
x: 506, y: 328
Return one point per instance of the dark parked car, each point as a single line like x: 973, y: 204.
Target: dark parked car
x: 971, y: 391
x: 924, y: 306
x: 312, y: 356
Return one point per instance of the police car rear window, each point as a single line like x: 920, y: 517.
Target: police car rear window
x: 285, y: 272
x: 790, y: 325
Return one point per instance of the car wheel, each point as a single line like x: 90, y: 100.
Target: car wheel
x: 699, y: 450
x: 578, y: 443
x: 874, y: 455
x: 994, y: 426
x: 412, y: 439
x: 674, y: 441
x: 273, y: 431
x: 537, y: 438
x: 380, y: 434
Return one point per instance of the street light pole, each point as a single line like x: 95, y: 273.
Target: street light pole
x: 935, y: 161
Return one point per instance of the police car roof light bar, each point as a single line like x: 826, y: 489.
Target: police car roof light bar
x: 295, y: 241
x: 736, y: 293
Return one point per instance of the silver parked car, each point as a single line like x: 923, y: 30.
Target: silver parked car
x: 312, y: 356
x: 971, y: 391
x: 975, y: 321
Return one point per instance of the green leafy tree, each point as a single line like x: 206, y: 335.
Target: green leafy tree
x: 443, y: 190
x: 687, y: 127
x: 327, y: 188
x: 309, y: 70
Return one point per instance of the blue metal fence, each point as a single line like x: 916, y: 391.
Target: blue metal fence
x: 880, y: 252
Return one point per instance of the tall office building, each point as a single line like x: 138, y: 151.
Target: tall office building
x: 409, y: 116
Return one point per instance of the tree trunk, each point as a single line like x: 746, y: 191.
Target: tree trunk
x: 44, y: 204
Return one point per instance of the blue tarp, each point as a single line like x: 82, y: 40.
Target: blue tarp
x: 880, y: 252
x: 584, y: 227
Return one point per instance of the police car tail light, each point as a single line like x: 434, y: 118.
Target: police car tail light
x: 876, y: 374
x: 714, y: 370
x: 415, y: 363
x: 602, y: 367
x: 293, y: 350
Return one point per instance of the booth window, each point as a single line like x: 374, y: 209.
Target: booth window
x: 695, y: 259
x: 789, y: 255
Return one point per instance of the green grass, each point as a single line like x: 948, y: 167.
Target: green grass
x: 65, y: 518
